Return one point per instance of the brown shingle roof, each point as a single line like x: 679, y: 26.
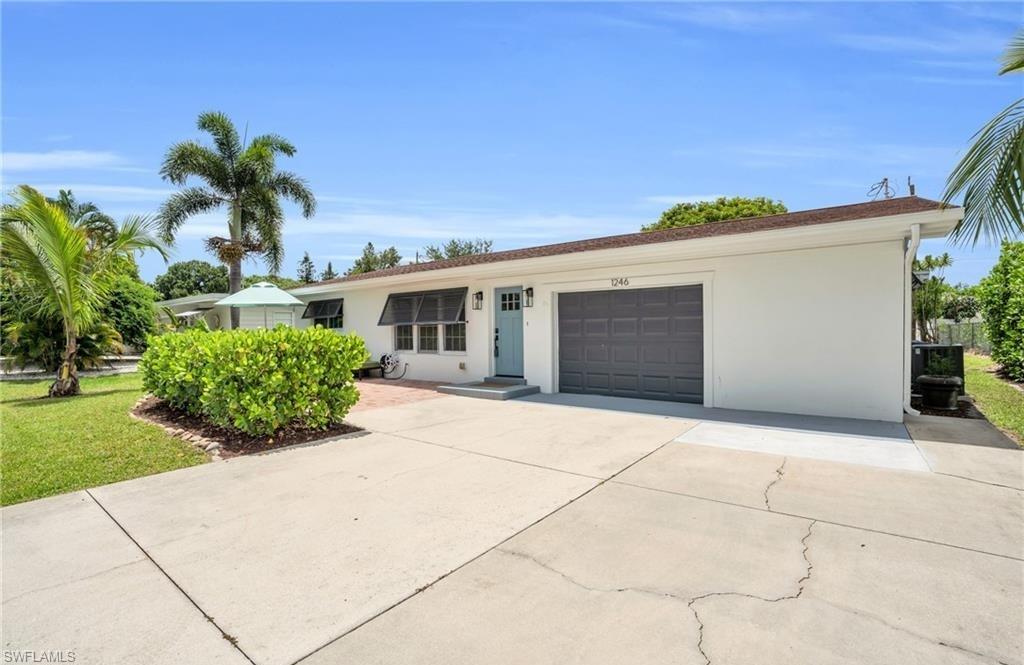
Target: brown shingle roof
x: 845, y: 213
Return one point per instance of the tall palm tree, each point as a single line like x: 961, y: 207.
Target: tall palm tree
x: 991, y: 174
x: 242, y: 177
x: 70, y: 270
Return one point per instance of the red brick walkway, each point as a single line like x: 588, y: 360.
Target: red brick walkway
x: 376, y: 393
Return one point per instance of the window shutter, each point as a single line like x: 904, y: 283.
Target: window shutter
x: 323, y: 309
x: 424, y: 308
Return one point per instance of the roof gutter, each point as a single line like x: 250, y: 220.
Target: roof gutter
x: 908, y: 268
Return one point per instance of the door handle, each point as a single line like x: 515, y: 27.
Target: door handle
x: 495, y: 342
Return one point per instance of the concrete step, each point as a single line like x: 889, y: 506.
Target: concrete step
x: 510, y: 380
x: 489, y: 390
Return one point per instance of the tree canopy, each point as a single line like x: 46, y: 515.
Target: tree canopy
x: 372, y: 260
x: 458, y: 247
x: 191, y: 278
x: 719, y: 210
x: 276, y: 280
x: 328, y: 272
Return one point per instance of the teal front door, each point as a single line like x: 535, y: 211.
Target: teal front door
x: 508, y: 331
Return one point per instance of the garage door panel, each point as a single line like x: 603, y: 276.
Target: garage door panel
x: 644, y: 343
x: 625, y: 327
x: 625, y: 383
x: 654, y: 326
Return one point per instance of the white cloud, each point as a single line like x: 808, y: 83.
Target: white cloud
x: 960, y: 80
x: 55, y: 160
x: 112, y: 193
x: 737, y: 17
x: 938, y: 42
x: 987, y: 65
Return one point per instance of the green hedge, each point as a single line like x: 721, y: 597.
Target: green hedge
x: 1002, y: 306
x: 257, y: 381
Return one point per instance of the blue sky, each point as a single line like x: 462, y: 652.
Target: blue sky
x: 524, y: 123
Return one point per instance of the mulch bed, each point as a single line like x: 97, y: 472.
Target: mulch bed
x: 966, y: 410
x: 232, y: 442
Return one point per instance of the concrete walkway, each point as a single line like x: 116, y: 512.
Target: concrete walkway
x: 472, y: 531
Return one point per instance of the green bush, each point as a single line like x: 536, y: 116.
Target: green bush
x: 131, y: 310
x: 1002, y: 306
x: 257, y: 381
x: 172, y: 368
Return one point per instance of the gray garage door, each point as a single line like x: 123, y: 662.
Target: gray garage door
x: 646, y: 343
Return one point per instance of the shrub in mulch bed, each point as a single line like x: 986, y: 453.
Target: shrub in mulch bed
x: 259, y: 382
x: 230, y: 442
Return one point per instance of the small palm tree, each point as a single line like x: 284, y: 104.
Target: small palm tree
x: 991, y: 174
x: 69, y: 268
x: 243, y: 177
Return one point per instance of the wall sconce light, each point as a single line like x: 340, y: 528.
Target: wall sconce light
x: 478, y: 300
x: 528, y: 297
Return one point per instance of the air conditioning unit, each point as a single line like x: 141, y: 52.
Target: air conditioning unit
x: 922, y: 354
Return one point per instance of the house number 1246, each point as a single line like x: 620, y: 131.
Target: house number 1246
x: 620, y: 281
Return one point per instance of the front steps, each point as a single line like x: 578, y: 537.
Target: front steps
x: 492, y: 387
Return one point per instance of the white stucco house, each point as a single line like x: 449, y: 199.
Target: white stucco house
x: 745, y: 314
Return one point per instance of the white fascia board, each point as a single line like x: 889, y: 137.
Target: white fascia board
x: 933, y: 224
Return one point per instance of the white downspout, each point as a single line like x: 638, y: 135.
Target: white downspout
x: 908, y: 333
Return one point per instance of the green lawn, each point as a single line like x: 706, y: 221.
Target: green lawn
x: 50, y: 446
x: 1001, y: 403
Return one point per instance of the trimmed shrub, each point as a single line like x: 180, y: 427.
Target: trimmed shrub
x: 172, y: 368
x: 257, y: 381
x: 1002, y: 306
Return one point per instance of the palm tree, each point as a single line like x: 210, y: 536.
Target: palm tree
x: 991, y: 174
x: 100, y: 226
x: 241, y: 176
x: 70, y: 270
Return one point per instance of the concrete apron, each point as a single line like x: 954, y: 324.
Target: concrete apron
x: 864, y: 442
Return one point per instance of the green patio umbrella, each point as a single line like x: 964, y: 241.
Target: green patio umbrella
x: 261, y: 294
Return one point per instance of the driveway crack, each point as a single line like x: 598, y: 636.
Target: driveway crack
x: 779, y: 473
x: 231, y: 639
x: 690, y: 602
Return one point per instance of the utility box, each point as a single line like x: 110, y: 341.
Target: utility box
x: 922, y: 354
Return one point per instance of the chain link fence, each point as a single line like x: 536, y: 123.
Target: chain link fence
x: 969, y: 333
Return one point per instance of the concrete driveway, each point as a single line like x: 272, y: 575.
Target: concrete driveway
x: 471, y: 531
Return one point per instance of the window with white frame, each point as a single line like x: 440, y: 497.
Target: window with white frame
x: 455, y: 337
x: 427, y: 337
x: 403, y: 338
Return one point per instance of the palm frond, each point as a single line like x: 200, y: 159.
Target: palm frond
x: 255, y: 165
x: 264, y: 219
x: 51, y: 254
x: 294, y: 188
x: 181, y: 205
x: 1013, y: 58
x: 991, y: 178
x: 225, y: 136
x: 188, y: 158
x: 275, y: 143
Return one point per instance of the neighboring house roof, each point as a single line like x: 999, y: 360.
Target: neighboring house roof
x: 197, y: 299
x: 845, y: 213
